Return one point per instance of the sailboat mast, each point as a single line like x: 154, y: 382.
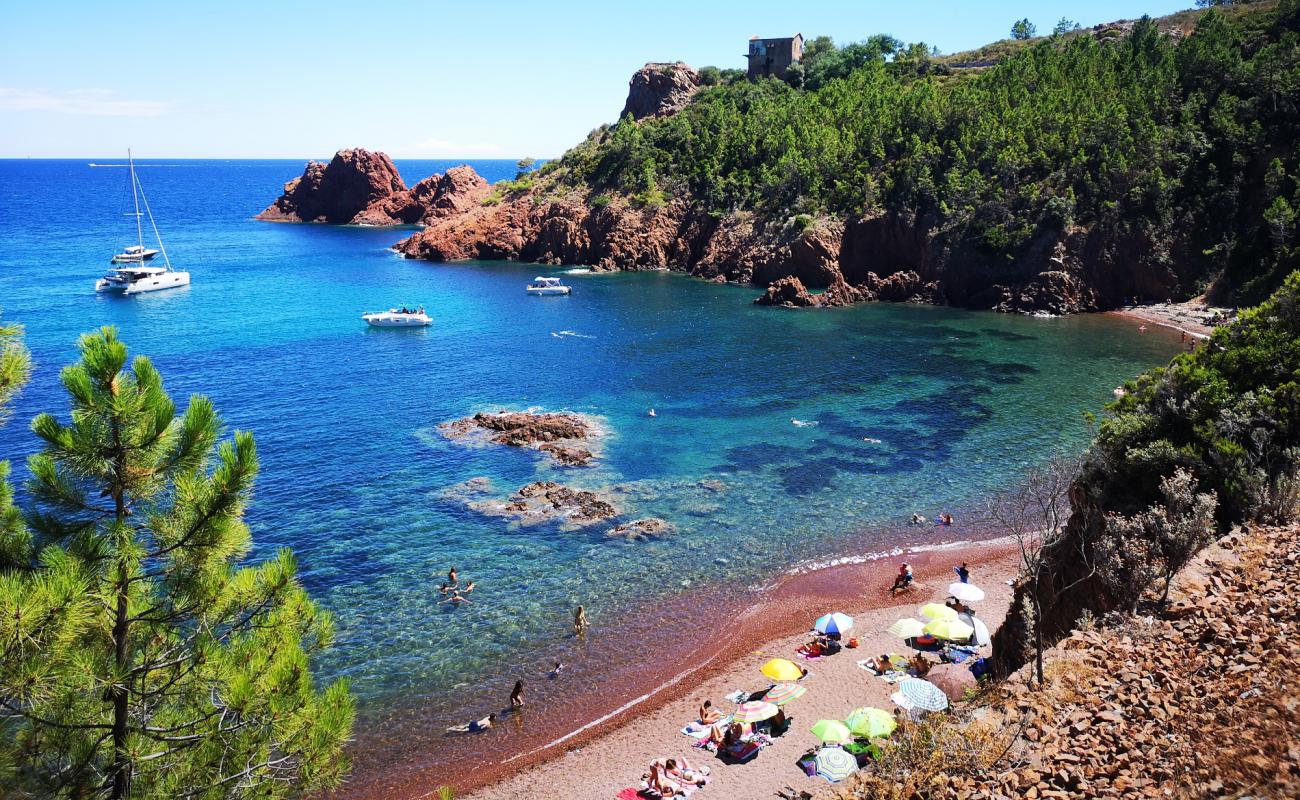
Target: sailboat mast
x: 152, y: 224
x: 135, y: 198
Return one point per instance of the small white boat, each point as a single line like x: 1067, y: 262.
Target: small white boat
x: 547, y: 286
x: 135, y: 252
x: 139, y: 278
x: 398, y: 318
x: 134, y: 280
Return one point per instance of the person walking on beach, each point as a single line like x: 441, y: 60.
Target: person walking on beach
x: 963, y: 573
x: 580, y: 622
x: 517, y: 696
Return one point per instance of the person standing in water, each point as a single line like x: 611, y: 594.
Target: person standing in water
x: 517, y: 696
x: 580, y: 622
x: 451, y: 578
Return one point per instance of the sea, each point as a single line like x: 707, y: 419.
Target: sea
x: 781, y: 440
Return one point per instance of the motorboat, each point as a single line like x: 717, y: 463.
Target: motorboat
x: 398, y: 318
x: 134, y: 280
x: 136, y: 252
x: 138, y: 277
x: 547, y: 286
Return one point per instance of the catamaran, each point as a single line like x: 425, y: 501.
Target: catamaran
x: 138, y: 277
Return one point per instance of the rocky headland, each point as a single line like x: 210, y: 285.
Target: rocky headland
x: 566, y: 438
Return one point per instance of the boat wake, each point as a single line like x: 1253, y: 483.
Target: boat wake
x: 578, y: 271
x: 803, y: 423
x: 574, y: 334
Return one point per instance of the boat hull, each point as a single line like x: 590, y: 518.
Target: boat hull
x: 545, y: 291
x: 397, y: 320
x: 149, y: 283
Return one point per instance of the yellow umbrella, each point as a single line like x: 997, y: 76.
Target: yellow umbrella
x: 953, y: 629
x: 936, y: 611
x: 871, y: 723
x: 780, y: 669
x: 907, y: 628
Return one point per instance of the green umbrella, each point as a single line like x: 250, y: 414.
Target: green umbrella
x: 831, y: 730
x: 952, y: 629
x: 871, y: 723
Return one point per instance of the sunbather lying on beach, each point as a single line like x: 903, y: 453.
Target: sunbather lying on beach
x: 709, y: 714
x: 680, y: 770
x: 661, y: 784
x: 882, y: 664
x: 474, y: 726
x: 813, y: 649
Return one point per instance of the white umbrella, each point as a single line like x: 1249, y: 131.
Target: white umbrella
x: 923, y: 694
x: 982, y: 637
x: 966, y: 592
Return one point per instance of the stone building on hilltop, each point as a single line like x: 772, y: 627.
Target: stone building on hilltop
x: 773, y: 57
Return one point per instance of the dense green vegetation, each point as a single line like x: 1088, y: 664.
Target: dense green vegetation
x: 1228, y: 413
x: 1191, y: 144
x: 137, y: 659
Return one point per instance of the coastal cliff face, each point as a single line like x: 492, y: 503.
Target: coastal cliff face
x: 363, y: 188
x: 660, y: 89
x: 880, y: 258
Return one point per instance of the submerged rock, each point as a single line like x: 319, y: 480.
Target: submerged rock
x: 548, y: 501
x: 641, y: 529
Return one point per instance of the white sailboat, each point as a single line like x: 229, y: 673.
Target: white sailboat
x: 137, y: 277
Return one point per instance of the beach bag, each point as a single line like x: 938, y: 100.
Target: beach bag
x: 852, y: 643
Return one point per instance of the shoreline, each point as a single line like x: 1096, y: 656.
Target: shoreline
x: 674, y: 659
x: 1186, y: 317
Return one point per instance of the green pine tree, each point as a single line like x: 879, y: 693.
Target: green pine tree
x: 15, y: 367
x: 136, y: 658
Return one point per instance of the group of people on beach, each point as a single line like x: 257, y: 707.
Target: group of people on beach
x: 904, y: 578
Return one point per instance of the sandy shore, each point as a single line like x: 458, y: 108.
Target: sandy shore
x: 1191, y: 317
x: 599, y: 762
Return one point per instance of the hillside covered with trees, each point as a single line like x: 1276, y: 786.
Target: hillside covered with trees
x: 1181, y: 147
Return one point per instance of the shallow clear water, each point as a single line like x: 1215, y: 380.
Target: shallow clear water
x: 355, y: 474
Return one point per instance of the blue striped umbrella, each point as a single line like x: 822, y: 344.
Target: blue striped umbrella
x: 923, y: 694
x: 834, y: 764
x: 835, y: 622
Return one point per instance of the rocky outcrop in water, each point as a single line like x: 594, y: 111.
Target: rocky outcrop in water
x: 640, y: 530
x: 659, y: 89
x: 538, y: 503
x: 560, y: 436
x: 788, y: 292
x: 363, y: 188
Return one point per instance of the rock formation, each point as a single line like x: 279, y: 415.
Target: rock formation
x: 786, y: 292
x: 640, y: 530
x: 660, y: 89
x: 557, y: 435
x: 363, y: 188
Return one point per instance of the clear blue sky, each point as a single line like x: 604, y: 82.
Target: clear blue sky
x: 432, y: 79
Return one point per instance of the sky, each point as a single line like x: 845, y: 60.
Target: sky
x: 431, y: 79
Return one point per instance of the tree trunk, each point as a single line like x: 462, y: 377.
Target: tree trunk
x: 121, y: 772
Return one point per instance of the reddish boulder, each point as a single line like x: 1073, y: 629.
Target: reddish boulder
x: 657, y: 90
x: 788, y: 292
x: 338, y: 191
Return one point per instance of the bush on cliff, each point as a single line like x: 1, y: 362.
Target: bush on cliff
x: 1140, y: 134
x: 1219, y: 424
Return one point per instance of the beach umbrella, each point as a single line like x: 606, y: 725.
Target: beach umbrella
x: 783, y: 693
x: 966, y: 592
x: 923, y: 694
x: 871, y: 723
x: 982, y: 637
x: 907, y: 628
x: 754, y: 711
x: 951, y: 629
x: 954, y: 680
x: 781, y: 669
x: 933, y: 611
x: 831, y: 730
x: 834, y: 763
x: 834, y: 622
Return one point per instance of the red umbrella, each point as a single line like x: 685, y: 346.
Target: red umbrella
x: 954, y: 679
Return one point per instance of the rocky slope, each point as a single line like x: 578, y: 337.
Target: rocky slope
x: 1202, y: 701
x: 660, y: 89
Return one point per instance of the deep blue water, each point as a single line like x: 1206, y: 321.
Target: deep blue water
x: 355, y: 475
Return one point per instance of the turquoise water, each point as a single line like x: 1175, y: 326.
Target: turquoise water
x: 356, y: 477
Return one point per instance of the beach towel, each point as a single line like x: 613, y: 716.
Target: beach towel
x: 737, y: 696
x: 698, y: 730
x: 628, y: 794
x: 807, y: 657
